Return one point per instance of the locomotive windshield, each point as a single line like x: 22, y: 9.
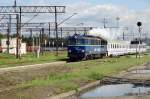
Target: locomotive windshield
x: 76, y: 41
x: 86, y: 41
x: 72, y: 41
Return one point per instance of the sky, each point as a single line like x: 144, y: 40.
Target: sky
x: 92, y: 12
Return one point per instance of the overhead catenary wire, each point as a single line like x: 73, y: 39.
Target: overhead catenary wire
x: 2, y: 18
x: 30, y: 19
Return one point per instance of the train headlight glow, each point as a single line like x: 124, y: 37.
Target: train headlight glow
x: 69, y: 51
x: 83, y: 51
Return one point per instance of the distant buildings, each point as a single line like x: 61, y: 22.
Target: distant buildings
x: 12, y: 46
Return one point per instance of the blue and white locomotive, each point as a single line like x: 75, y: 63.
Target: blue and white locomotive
x: 82, y: 47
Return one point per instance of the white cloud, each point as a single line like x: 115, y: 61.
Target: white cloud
x: 94, y: 15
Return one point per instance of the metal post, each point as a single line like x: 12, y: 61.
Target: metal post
x: 49, y: 29
x: 42, y: 45
x: 75, y: 30
x: 56, y: 28
x: 17, y: 36
x: 85, y: 33
x: 136, y: 48
x: 123, y: 36
x: 117, y: 21
x: 49, y: 34
x: 20, y: 35
x: 61, y: 32
x: 139, y: 24
x: 32, y: 40
x: 139, y: 40
x: 8, y: 33
x: 7, y: 42
x: 104, y: 21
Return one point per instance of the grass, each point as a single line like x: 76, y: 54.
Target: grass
x: 85, y: 72
x: 7, y: 60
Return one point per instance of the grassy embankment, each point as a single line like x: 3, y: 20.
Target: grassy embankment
x: 85, y: 72
x: 7, y: 60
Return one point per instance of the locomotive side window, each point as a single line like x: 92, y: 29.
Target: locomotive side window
x: 72, y: 41
x: 80, y: 41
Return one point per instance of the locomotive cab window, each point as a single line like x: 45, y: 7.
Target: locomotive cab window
x: 72, y: 41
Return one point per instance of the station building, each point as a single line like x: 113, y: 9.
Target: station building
x: 12, y: 46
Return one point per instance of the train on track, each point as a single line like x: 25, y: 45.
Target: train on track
x: 84, y: 47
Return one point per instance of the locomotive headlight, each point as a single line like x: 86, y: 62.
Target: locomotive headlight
x: 83, y: 51
x: 69, y: 51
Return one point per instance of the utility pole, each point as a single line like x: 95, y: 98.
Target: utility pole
x: 31, y: 9
x: 17, y: 36
x: 104, y: 22
x: 85, y: 31
x: 20, y: 33
x: 117, y: 21
x: 61, y: 31
x: 15, y: 3
x: 49, y: 29
x: 32, y: 40
x: 123, y: 36
x: 8, y: 34
x: 56, y: 28
x: 75, y: 30
x: 42, y: 40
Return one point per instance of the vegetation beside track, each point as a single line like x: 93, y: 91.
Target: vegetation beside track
x: 7, y: 60
x: 70, y: 76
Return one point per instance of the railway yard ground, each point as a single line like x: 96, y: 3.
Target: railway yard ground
x: 8, y: 60
x: 47, y: 80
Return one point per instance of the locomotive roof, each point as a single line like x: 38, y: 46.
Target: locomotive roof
x: 83, y: 36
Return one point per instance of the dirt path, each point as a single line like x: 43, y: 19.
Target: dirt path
x: 12, y: 76
x: 35, y: 66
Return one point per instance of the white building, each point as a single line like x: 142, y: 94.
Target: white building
x: 13, y: 46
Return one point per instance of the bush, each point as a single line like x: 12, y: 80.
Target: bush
x: 95, y: 76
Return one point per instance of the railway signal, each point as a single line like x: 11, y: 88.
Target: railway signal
x: 139, y: 24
